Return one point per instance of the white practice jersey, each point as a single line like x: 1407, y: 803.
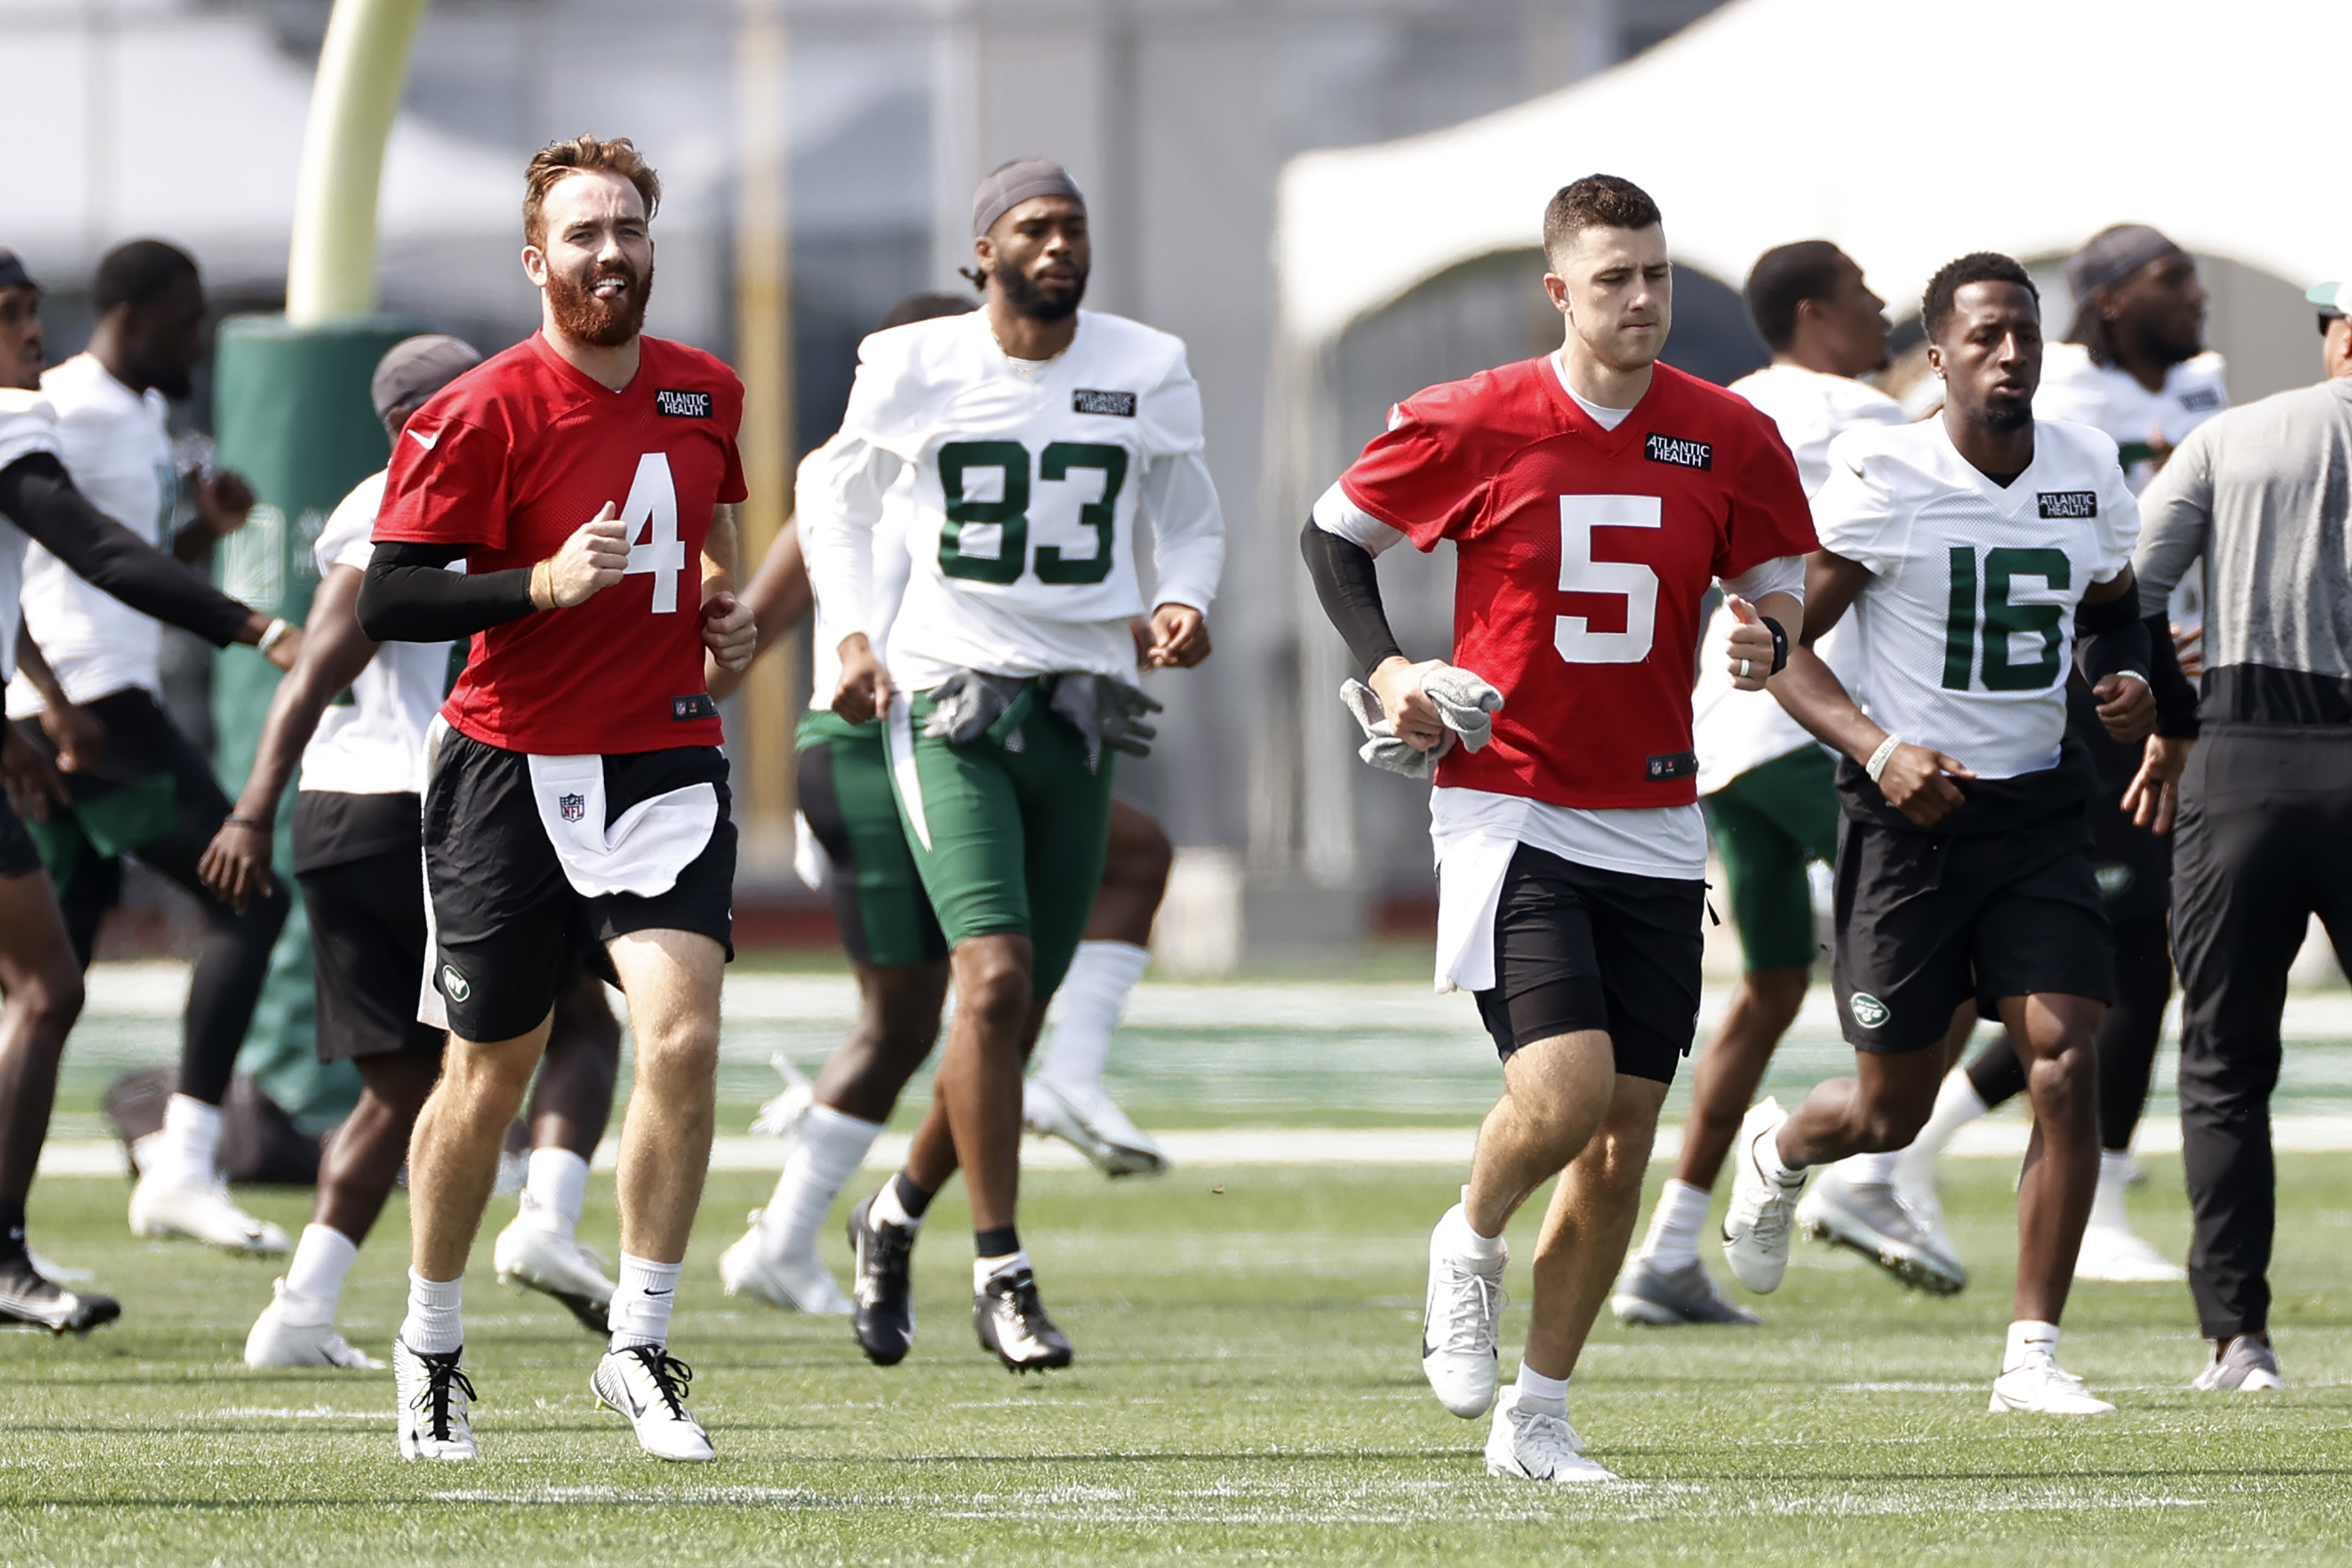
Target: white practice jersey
x: 114, y: 442
x: 28, y: 424
x: 1731, y: 732
x: 1966, y: 632
x: 891, y: 565
x: 1030, y: 481
x: 372, y: 741
x: 2138, y: 421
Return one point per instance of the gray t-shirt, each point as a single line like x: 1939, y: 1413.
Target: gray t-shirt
x: 2264, y: 493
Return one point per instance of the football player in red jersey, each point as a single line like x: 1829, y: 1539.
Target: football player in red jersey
x: 1593, y: 497
x: 587, y: 477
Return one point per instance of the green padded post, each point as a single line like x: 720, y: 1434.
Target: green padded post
x: 290, y: 411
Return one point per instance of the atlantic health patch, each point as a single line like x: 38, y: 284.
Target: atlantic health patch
x: 1117, y: 404
x: 1680, y: 452
x: 683, y: 404
x: 2068, y: 503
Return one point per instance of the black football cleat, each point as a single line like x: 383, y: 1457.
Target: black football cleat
x: 1013, y: 1324
x: 884, y: 1320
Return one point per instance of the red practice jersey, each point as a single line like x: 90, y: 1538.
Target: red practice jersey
x: 507, y: 461
x: 1582, y: 558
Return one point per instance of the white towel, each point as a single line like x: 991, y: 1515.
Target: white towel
x: 642, y: 853
x: 1470, y: 870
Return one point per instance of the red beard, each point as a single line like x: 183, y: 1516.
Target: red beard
x: 605, y: 323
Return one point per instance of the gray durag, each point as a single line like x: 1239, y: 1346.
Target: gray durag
x: 1008, y: 187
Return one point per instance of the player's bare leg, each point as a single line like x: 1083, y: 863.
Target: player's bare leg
x: 2055, y: 1036
x: 1587, y: 1227
x: 1723, y: 1082
x: 43, y: 984
x: 672, y: 981
x: 1556, y: 1093
x: 453, y: 1155
x: 1065, y: 1098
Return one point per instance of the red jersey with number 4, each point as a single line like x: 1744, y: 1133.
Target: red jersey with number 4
x: 1582, y: 558
x: 507, y: 461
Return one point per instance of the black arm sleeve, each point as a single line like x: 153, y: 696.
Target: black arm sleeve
x: 408, y: 597
x: 40, y: 498
x: 2175, y: 694
x: 1347, y: 579
x: 2110, y: 638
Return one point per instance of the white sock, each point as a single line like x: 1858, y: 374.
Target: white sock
x: 2026, y: 1336
x: 190, y: 1148
x: 314, y: 1279
x: 886, y: 1209
x: 1536, y: 1392
x: 984, y: 1270
x: 1482, y: 1250
x: 432, y: 1325
x: 1956, y: 1104
x: 641, y: 1300
x: 1865, y: 1169
x: 554, y: 1191
x: 1088, y: 1009
x: 831, y: 1146
x: 2107, y: 1198
x: 1674, y: 1226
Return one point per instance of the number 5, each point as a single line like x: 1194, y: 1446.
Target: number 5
x: 1580, y: 573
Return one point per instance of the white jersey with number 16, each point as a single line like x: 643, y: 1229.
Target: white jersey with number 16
x: 1966, y: 632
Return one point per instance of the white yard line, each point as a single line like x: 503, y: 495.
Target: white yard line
x: 1210, y: 1149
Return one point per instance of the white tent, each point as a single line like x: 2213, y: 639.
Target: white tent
x: 1906, y: 131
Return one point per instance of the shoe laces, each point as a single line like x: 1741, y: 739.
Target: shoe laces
x: 1474, y: 1303
x: 2043, y: 1366
x: 1770, y: 1217
x: 1016, y: 1294
x: 1549, y: 1434
x: 443, y: 1377
x: 670, y: 1375
x: 882, y: 1266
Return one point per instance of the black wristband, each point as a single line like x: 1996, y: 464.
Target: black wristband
x: 1779, y: 644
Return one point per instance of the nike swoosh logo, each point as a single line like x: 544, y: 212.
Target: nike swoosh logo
x: 663, y: 1292
x: 426, y: 441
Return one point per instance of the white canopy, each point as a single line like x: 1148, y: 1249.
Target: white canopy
x: 1907, y: 131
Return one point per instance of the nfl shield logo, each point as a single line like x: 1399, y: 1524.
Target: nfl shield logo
x: 574, y: 807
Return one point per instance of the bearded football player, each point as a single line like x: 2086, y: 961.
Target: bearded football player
x: 1593, y: 497
x: 587, y: 477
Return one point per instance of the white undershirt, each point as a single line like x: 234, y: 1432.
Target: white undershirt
x: 1606, y: 418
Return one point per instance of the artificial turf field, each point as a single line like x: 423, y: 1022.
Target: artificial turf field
x: 1247, y: 1389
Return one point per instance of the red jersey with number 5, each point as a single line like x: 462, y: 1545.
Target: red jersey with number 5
x: 507, y: 461
x: 1582, y: 558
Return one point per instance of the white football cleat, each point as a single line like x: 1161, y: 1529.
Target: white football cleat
x: 1762, y: 1208
x: 274, y: 1342
x: 435, y: 1401
x: 795, y: 1284
x: 1089, y: 1121
x: 1460, y: 1319
x: 2111, y: 1253
x: 2243, y: 1365
x: 537, y: 1259
x: 647, y: 1385
x: 162, y: 1207
x: 2038, y: 1386
x: 1535, y: 1445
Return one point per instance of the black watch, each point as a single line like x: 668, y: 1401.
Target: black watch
x: 1780, y: 644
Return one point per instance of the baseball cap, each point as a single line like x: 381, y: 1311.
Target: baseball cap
x: 11, y: 271
x: 2335, y: 297
x: 416, y: 368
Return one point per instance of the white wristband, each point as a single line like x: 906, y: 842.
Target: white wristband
x: 273, y: 634
x: 1877, y: 763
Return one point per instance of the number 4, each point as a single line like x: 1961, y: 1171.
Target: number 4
x: 653, y: 505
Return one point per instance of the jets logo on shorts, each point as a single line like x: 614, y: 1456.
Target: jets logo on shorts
x: 572, y: 807
x: 453, y: 984
x: 1868, y: 1010
x: 2114, y: 879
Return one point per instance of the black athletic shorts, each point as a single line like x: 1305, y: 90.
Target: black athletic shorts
x: 1927, y: 921
x: 1580, y: 948
x: 2134, y: 866
x: 506, y: 920
x: 19, y: 856
x: 366, y: 903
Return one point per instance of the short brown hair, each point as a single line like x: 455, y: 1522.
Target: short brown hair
x: 1595, y: 202
x: 557, y: 159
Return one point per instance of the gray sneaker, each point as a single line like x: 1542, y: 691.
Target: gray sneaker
x: 1869, y: 1217
x: 2243, y: 1364
x: 1649, y: 1296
